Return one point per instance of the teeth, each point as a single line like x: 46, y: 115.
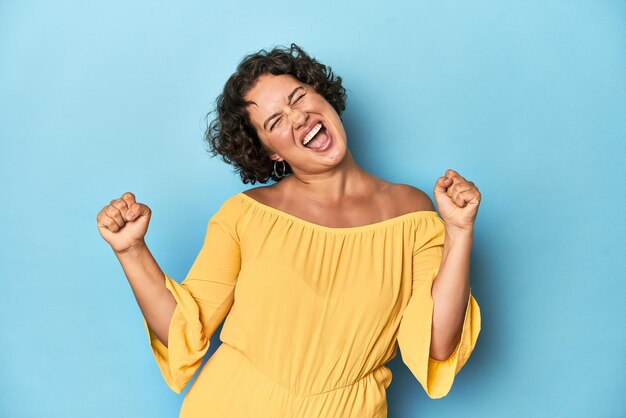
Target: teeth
x: 312, y: 133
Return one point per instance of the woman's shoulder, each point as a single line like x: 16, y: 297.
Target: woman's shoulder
x: 403, y: 198
x: 230, y: 208
x: 266, y: 196
x: 261, y: 193
x: 407, y: 198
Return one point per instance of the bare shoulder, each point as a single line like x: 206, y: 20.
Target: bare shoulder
x: 410, y: 198
x: 258, y: 192
x: 263, y: 194
x: 255, y: 191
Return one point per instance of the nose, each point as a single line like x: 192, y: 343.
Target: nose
x: 297, y: 117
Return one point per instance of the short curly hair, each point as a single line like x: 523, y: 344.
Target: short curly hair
x: 232, y: 135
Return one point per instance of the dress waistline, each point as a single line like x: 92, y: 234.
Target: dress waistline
x: 382, y: 371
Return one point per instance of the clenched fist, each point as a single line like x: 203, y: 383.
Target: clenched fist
x: 123, y: 223
x: 457, y: 200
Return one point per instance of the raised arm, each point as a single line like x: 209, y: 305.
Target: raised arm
x: 123, y: 224
x: 147, y: 281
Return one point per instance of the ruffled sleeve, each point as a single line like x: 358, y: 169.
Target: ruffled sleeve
x: 203, y: 300
x: 414, y: 335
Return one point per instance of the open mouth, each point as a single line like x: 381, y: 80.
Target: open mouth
x: 317, y: 138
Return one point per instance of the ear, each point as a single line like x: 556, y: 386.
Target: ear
x: 275, y: 157
x: 269, y: 152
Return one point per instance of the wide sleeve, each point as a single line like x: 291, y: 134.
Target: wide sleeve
x: 203, y: 300
x: 414, y: 335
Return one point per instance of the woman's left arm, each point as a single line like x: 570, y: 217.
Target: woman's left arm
x: 457, y: 201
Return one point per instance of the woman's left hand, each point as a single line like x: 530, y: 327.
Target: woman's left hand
x: 457, y: 201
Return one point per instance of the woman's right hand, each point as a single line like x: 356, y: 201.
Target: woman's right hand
x: 123, y: 223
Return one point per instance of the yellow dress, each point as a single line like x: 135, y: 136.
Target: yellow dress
x: 312, y: 312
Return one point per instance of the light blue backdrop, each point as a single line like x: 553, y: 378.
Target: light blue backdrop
x: 526, y: 99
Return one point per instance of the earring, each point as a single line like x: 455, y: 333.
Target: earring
x: 275, y: 173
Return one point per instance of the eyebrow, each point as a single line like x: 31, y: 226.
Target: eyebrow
x: 288, y: 100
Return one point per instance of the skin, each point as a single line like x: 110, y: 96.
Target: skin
x: 326, y: 188
x: 123, y: 224
x: 330, y: 189
x: 457, y: 200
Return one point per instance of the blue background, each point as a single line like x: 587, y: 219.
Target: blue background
x: 525, y: 98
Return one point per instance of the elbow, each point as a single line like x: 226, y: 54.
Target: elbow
x: 162, y: 337
x: 440, y: 355
x: 164, y: 341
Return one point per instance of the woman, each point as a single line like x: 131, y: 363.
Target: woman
x: 323, y: 274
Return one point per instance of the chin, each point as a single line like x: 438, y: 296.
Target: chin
x: 339, y: 154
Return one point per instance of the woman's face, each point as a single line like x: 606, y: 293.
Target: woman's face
x: 285, y: 111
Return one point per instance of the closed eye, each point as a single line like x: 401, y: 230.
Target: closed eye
x: 280, y: 118
x: 276, y: 123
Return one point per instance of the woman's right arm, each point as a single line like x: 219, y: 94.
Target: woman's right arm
x: 123, y: 224
x: 147, y: 281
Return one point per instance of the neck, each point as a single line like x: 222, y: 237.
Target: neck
x: 332, y: 186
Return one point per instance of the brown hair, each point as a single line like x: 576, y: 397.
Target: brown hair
x: 232, y: 135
